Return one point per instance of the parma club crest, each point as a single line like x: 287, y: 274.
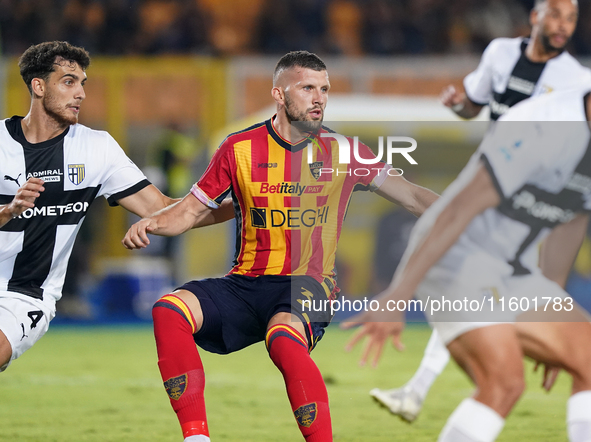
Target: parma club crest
x: 175, y: 387
x: 315, y: 169
x: 76, y: 173
x: 306, y: 414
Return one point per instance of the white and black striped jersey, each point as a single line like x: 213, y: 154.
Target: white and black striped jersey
x: 539, y: 157
x: 505, y: 76
x: 76, y: 166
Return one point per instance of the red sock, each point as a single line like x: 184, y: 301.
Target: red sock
x: 180, y: 364
x: 303, y: 381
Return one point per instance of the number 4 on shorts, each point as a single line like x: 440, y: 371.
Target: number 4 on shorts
x: 35, y: 317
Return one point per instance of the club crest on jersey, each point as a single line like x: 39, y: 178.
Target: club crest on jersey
x: 175, y: 387
x: 315, y: 168
x: 306, y: 414
x: 76, y: 173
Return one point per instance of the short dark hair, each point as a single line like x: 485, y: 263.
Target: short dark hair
x: 539, y: 3
x: 39, y: 60
x: 301, y: 59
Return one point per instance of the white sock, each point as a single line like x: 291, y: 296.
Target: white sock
x: 578, y: 417
x: 422, y: 380
x: 434, y: 361
x: 472, y: 421
x: 197, y: 438
x: 436, y: 355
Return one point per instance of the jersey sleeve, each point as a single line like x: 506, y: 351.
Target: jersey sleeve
x: 518, y: 152
x: 369, y: 176
x: 478, y: 84
x: 215, y: 184
x: 123, y: 177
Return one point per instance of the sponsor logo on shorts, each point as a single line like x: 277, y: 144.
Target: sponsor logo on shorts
x: 175, y: 387
x: 306, y: 414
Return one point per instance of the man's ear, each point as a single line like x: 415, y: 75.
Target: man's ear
x: 38, y: 87
x: 534, y: 17
x: 278, y: 95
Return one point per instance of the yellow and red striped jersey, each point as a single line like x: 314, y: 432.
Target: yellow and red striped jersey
x: 289, y: 214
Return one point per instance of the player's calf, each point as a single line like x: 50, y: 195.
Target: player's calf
x: 307, y: 393
x: 180, y: 364
x: 492, y: 357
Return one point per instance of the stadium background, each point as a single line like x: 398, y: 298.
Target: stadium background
x: 169, y: 79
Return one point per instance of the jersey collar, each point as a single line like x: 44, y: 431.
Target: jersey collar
x: 13, y: 125
x: 282, y: 141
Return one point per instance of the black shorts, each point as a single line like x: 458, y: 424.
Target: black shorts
x: 236, y: 308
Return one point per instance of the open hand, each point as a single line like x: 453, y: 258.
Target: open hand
x: 378, y: 326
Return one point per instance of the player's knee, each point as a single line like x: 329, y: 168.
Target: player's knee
x: 512, y: 386
x: 171, y: 309
x: 506, y: 379
x: 501, y: 371
x: 281, y: 336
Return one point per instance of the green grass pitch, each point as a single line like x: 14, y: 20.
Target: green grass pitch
x: 98, y: 384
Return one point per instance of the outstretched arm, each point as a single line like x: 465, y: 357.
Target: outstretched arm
x: 477, y: 196
x: 146, y: 201
x: 413, y: 198
x: 175, y: 219
x: 559, y: 250
x: 150, y: 200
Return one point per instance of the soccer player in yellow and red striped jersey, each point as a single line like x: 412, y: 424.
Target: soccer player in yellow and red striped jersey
x: 290, y: 205
x: 289, y: 212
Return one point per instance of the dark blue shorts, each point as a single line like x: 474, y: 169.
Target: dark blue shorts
x: 236, y: 308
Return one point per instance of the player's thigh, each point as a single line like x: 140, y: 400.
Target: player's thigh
x: 488, y: 353
x: 296, y: 306
x: 192, y: 302
x: 22, y: 324
x: 5, y: 349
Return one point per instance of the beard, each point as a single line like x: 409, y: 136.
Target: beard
x: 58, y: 113
x: 298, y: 118
x: 548, y: 47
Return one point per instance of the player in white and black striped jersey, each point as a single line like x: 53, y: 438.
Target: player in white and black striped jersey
x: 529, y: 181
x: 510, y: 71
x: 513, y: 69
x: 51, y: 170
